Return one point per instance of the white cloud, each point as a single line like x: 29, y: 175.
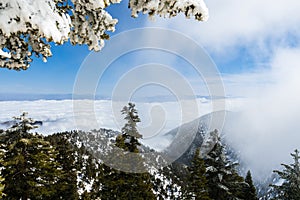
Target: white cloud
x: 235, y: 22
x: 268, y: 129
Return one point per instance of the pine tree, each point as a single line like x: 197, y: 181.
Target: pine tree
x: 223, y: 180
x: 82, y: 169
x: 290, y: 188
x: 197, y: 185
x: 1, y: 178
x: 30, y: 170
x: 250, y: 190
x: 66, y: 158
x: 124, y: 185
x: 128, y: 140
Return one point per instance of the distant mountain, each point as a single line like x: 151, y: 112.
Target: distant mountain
x: 148, y: 99
x: 190, y: 136
x: 33, y: 97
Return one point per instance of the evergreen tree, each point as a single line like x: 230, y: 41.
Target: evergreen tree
x: 66, y: 158
x: 128, y: 140
x: 197, y: 185
x: 123, y: 185
x: 290, y: 188
x: 223, y: 180
x: 82, y: 169
x: 250, y: 191
x: 30, y: 170
x: 1, y: 178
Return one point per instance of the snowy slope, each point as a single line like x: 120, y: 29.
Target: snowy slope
x: 233, y: 153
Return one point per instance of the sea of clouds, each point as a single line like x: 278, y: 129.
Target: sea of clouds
x: 60, y: 115
x: 260, y: 130
x: 157, y: 118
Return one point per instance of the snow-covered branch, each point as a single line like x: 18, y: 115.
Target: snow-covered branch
x: 28, y: 26
x: 170, y: 8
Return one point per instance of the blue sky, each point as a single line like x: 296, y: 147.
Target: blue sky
x: 57, y: 76
x: 241, y: 44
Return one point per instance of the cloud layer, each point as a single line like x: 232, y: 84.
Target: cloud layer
x: 60, y: 116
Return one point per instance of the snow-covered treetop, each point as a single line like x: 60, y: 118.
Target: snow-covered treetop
x: 132, y: 118
x: 28, y: 26
x: 23, y: 124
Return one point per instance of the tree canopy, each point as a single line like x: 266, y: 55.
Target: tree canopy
x: 30, y: 170
x: 66, y: 166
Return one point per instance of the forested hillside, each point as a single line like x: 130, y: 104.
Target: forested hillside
x: 64, y: 166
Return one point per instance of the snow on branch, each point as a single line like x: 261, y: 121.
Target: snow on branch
x: 28, y: 26
x: 170, y: 8
x: 4, y: 54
